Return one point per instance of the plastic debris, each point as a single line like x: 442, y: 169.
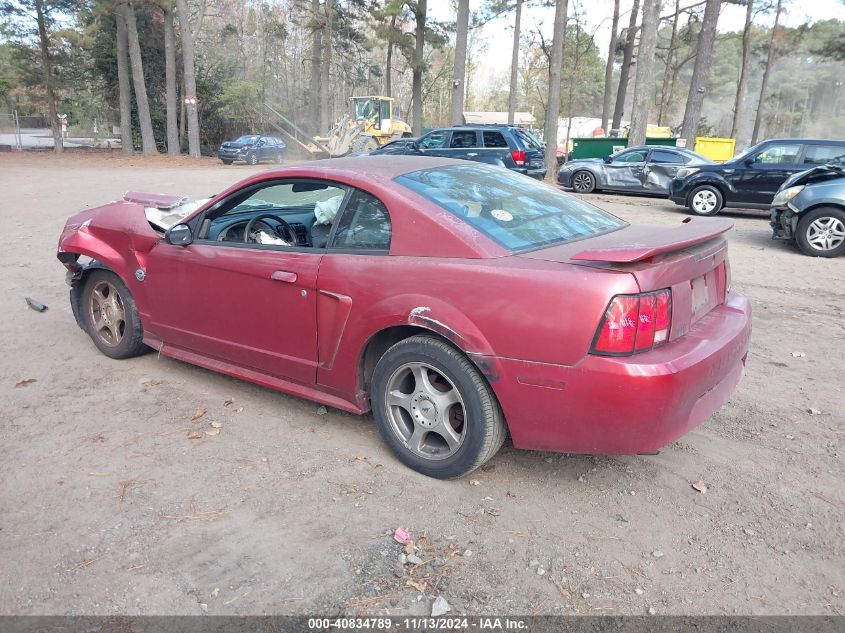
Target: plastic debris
x: 402, y: 535
x: 699, y: 485
x: 35, y: 305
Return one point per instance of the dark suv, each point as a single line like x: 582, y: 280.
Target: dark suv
x: 504, y: 145
x: 751, y: 179
x: 252, y: 149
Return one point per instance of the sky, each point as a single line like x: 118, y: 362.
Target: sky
x: 598, y: 15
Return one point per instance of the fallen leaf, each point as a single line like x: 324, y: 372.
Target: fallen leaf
x: 227, y: 402
x: 699, y: 485
x: 198, y: 413
x: 216, y: 425
x: 213, y: 432
x: 25, y: 382
x: 193, y: 435
x: 494, y: 512
x: 474, y: 482
x: 409, y: 548
x: 419, y: 586
x: 238, y: 409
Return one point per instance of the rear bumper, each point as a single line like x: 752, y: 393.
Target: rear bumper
x: 625, y: 405
x: 534, y: 172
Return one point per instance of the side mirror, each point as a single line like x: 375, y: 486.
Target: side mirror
x: 179, y: 235
x: 749, y: 161
x: 606, y: 159
x: 415, y: 146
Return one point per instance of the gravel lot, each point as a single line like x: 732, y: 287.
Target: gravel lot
x: 107, y: 507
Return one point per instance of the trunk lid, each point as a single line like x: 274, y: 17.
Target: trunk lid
x: 690, y: 259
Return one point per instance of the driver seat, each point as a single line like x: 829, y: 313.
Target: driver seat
x: 320, y: 235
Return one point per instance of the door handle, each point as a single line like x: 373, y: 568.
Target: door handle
x: 283, y: 276
x: 472, y: 154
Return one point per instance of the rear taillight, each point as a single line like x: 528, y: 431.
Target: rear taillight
x: 634, y: 324
x: 518, y: 157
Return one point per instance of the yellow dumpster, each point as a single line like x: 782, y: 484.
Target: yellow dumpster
x: 718, y: 149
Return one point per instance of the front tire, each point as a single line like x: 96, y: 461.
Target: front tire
x: 226, y: 161
x: 583, y: 182
x: 434, y: 408
x: 821, y: 232
x: 252, y: 158
x: 110, y: 317
x: 705, y: 200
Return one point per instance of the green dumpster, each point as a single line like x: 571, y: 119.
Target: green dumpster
x: 597, y: 147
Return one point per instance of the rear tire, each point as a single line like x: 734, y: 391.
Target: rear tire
x: 252, y: 158
x: 226, y: 162
x: 821, y: 232
x: 110, y: 317
x: 583, y: 182
x: 435, y: 409
x: 705, y: 200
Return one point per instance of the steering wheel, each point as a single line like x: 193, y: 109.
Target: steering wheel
x: 287, y: 229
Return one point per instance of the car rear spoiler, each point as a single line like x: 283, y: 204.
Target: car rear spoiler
x: 691, y: 232
x: 157, y: 200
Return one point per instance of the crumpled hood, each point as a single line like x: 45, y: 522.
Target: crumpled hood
x: 235, y: 145
x: 816, y: 174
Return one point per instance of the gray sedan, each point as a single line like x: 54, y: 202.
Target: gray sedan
x: 642, y: 169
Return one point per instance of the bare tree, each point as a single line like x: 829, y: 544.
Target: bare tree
x: 553, y: 107
x: 326, y: 67
x: 189, y: 94
x: 739, y: 101
x: 47, y: 70
x: 625, y: 71
x: 388, y: 70
x: 148, y: 142
x: 608, y: 69
x: 514, y: 85
x: 770, y: 60
x: 669, y: 67
x: 124, y: 97
x: 316, y: 66
x: 645, y: 72
x: 701, y: 69
x: 420, y: 9
x: 173, y: 147
x: 459, y: 77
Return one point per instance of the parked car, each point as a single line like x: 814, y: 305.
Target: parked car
x: 641, y: 169
x: 459, y: 301
x: 252, y: 149
x: 751, y: 179
x: 809, y: 209
x: 503, y: 145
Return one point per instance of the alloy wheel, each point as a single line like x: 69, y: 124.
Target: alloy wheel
x: 425, y: 411
x: 704, y: 201
x: 108, y: 315
x: 826, y: 233
x: 582, y: 182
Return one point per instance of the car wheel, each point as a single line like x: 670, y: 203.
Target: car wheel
x: 583, y: 182
x: 226, y: 162
x: 705, y: 200
x: 434, y: 408
x: 821, y: 232
x: 252, y: 158
x: 110, y: 316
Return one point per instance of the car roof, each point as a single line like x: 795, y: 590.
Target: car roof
x: 809, y: 141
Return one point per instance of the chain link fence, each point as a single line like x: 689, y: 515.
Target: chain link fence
x: 33, y: 131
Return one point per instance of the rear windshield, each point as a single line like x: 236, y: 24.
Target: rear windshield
x: 516, y: 211
x: 528, y: 139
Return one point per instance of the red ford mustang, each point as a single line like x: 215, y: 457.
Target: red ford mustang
x: 458, y: 301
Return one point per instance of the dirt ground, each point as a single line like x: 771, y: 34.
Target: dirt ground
x: 106, y: 507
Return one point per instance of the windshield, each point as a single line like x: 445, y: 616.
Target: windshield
x: 247, y: 140
x: 516, y: 211
x: 751, y: 150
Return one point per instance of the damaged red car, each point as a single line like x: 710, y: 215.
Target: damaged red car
x: 459, y: 302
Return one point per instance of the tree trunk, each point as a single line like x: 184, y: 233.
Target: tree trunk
x: 608, y: 69
x: 388, y: 66
x: 645, y: 72
x: 148, y: 142
x: 47, y: 69
x: 190, y: 93
x: 325, y: 70
x: 316, y: 65
x: 739, y: 101
x: 770, y: 59
x: 669, y: 70
x: 625, y: 72
x: 173, y: 148
x: 418, y: 65
x: 512, y: 95
x: 553, y: 106
x: 459, y: 76
x: 701, y: 70
x: 124, y: 96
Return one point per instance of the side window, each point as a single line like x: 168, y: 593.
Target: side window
x: 670, y: 158
x: 365, y: 224
x: 822, y: 154
x: 631, y: 157
x: 463, y: 139
x: 495, y: 139
x: 786, y: 154
x: 434, y: 140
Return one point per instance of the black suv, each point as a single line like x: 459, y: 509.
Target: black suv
x: 252, y: 149
x: 751, y: 179
x: 504, y: 145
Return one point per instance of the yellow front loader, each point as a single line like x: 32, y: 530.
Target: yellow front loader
x: 370, y: 122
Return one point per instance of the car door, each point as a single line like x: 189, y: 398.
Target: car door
x: 248, y: 304
x: 660, y: 168
x: 495, y: 148
x: 757, y: 180
x: 625, y: 170
x: 463, y: 144
x: 433, y: 143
